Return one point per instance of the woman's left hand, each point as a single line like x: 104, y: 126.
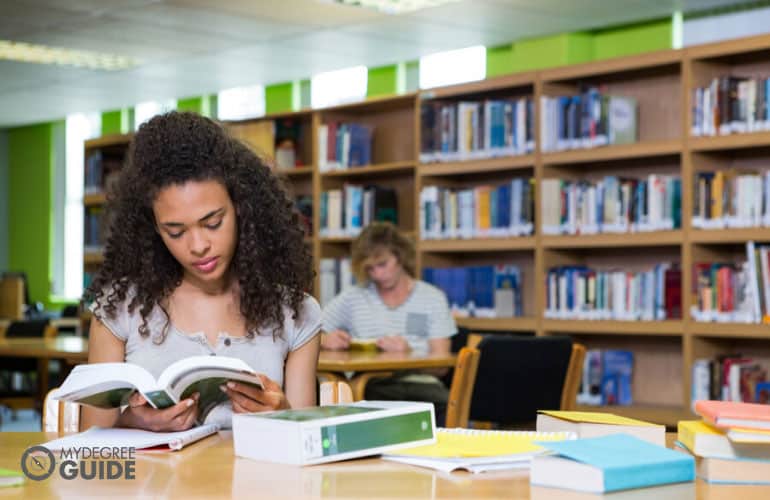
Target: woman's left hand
x: 248, y: 399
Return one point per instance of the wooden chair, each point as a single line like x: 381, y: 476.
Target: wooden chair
x: 64, y: 417
x: 519, y: 375
x: 461, y: 389
x: 12, y: 297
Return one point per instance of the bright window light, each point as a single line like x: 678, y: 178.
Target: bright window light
x: 146, y: 110
x: 453, y: 66
x: 240, y: 103
x: 78, y: 128
x: 338, y: 87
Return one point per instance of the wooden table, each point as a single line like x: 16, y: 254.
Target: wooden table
x: 75, y: 323
x: 366, y: 361
x: 209, y: 469
x: 71, y: 349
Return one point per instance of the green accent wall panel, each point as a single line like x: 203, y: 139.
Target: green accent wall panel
x: 633, y: 39
x: 30, y: 174
x: 194, y: 104
x: 3, y: 200
x: 304, y: 94
x: 382, y: 81
x: 111, y: 122
x: 551, y: 51
x: 500, y: 60
x: 279, y: 98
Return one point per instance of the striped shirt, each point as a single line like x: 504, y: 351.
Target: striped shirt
x: 361, y: 312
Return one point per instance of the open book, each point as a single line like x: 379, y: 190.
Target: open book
x: 132, y: 438
x: 478, y: 450
x: 109, y: 385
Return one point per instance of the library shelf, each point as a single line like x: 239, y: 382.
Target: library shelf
x: 93, y: 258
x: 94, y: 199
x: 620, y: 152
x: 730, y: 236
x: 729, y: 330
x: 515, y: 324
x: 642, y: 239
x: 478, y: 244
x: 393, y: 167
x: 296, y: 171
x: 728, y: 142
x: 656, y: 414
x: 109, y: 140
x: 499, y: 83
x: 610, y: 327
x: 632, y: 64
x: 471, y: 167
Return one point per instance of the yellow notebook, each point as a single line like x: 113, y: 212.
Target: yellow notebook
x: 588, y: 424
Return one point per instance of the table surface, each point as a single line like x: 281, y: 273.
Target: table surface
x: 76, y: 349
x: 209, y: 469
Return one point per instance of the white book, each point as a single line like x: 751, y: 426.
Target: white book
x: 109, y: 385
x: 96, y: 437
x: 330, y: 433
x: 594, y: 424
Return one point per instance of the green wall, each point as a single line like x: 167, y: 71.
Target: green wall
x: 203, y: 105
x: 3, y: 200
x: 280, y: 98
x: 118, y: 121
x: 30, y: 174
x: 632, y: 39
x: 385, y: 80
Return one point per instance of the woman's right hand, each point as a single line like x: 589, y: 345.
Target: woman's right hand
x: 141, y: 415
x: 337, y: 340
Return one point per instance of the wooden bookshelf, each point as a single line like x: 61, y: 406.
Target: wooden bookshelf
x: 662, y: 82
x: 94, y: 199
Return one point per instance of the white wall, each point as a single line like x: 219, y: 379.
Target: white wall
x: 726, y: 26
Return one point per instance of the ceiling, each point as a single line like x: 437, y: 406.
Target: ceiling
x: 195, y: 47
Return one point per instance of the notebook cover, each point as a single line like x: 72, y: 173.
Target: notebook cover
x: 713, y: 411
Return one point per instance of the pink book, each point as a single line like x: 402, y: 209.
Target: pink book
x: 730, y: 414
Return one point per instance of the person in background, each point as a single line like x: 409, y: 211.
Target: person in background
x: 401, y: 312
x: 205, y: 256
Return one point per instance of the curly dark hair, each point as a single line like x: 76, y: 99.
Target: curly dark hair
x: 272, y: 263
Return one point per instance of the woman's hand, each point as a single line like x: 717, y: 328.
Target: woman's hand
x: 337, y: 340
x: 141, y: 415
x: 248, y: 399
x: 393, y: 343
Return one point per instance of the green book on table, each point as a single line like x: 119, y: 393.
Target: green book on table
x: 329, y: 433
x: 610, y: 463
x: 10, y: 478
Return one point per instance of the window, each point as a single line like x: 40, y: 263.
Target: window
x: 240, y: 103
x: 338, y: 87
x: 706, y: 29
x: 68, y: 212
x: 453, y: 66
x: 146, y: 110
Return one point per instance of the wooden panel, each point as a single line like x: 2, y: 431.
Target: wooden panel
x: 11, y: 298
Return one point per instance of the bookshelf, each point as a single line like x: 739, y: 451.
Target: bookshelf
x: 662, y: 83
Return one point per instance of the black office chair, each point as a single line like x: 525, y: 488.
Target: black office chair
x: 517, y: 376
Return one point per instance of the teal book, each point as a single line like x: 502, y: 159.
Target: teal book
x: 329, y: 433
x: 610, y: 463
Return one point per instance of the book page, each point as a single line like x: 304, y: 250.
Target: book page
x: 131, y: 438
x: 105, y: 385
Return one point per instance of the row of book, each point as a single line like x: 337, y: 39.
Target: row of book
x: 344, y: 145
x: 611, y: 205
x: 579, y: 292
x: 481, y: 212
x: 731, y: 377
x: 346, y: 211
x: 101, y: 171
x: 731, y: 105
x: 480, y: 291
x: 467, y: 130
x: 733, y: 292
x: 335, y: 275
x: 587, y: 120
x: 94, y: 230
x: 607, y: 377
x: 304, y: 205
x: 731, y: 198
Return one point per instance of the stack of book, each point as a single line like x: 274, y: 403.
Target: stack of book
x: 731, y: 443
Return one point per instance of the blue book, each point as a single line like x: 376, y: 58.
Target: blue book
x: 610, y: 463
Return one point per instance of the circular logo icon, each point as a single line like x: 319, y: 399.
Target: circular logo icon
x: 38, y: 463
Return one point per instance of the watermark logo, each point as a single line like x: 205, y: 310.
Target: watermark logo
x: 39, y: 463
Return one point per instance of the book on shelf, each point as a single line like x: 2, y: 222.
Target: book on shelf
x: 731, y: 377
x: 731, y: 414
x: 611, y: 205
x: 346, y: 211
x: 478, y: 450
x: 102, y: 171
x: 732, y: 198
x: 109, y: 385
x: 287, y: 143
x: 583, y: 293
x: 330, y: 433
x: 470, y: 130
x: 344, y: 145
x: 588, y: 119
x: 94, y: 228
x: 142, y: 440
x: 595, y: 424
x: 335, y: 275
x: 485, y: 211
x: 493, y: 291
x: 610, y: 463
x: 304, y: 206
x: 731, y: 104
x: 607, y: 377
x: 703, y: 440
